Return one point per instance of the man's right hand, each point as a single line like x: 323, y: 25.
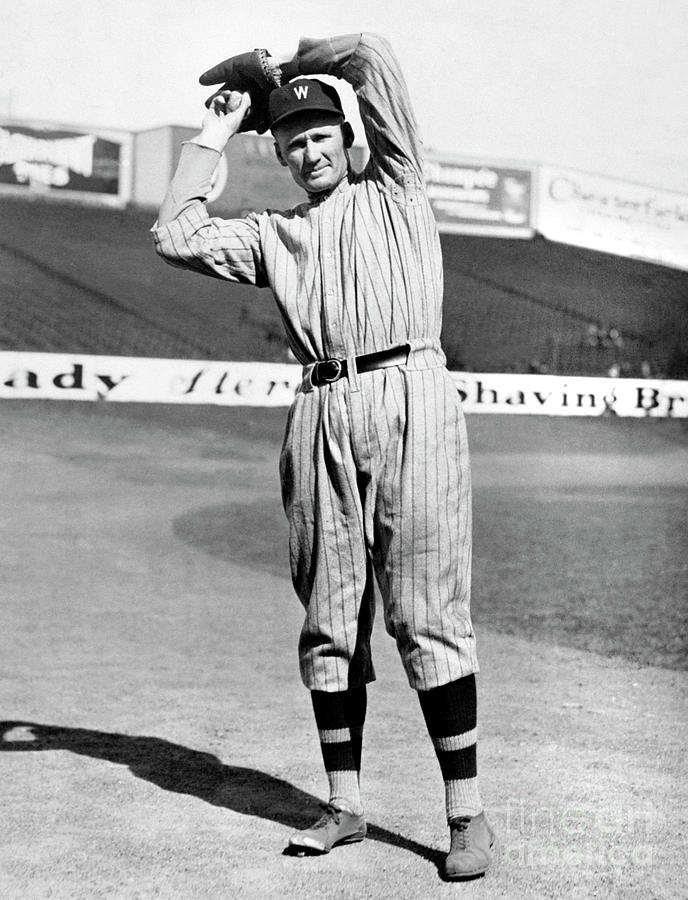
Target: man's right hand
x: 223, y: 119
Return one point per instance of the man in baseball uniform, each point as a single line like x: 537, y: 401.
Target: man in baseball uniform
x: 374, y: 467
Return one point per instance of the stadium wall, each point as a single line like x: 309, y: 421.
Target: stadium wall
x: 247, y: 176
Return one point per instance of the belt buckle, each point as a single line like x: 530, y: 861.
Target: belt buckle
x: 323, y: 376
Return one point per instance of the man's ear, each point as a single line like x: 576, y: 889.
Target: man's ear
x: 348, y: 134
x: 278, y: 154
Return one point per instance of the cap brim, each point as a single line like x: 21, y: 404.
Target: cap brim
x: 292, y: 113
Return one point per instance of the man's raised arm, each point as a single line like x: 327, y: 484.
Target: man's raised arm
x: 200, y: 154
x: 184, y: 234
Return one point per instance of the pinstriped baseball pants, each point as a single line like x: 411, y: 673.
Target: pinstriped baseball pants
x: 376, y: 485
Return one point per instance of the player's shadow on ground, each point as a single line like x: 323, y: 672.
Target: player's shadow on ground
x: 181, y: 770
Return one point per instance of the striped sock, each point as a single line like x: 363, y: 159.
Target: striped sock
x: 450, y: 713
x: 339, y: 717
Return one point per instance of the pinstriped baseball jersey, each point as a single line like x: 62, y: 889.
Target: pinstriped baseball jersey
x: 374, y: 468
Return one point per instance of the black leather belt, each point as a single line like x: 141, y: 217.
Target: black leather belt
x: 331, y: 370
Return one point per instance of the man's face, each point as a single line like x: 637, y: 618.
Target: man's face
x: 313, y: 150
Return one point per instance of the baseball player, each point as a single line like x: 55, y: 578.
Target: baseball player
x: 374, y: 466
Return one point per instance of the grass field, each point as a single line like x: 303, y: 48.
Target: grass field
x: 158, y: 743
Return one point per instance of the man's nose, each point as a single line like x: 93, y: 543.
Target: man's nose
x: 311, y: 152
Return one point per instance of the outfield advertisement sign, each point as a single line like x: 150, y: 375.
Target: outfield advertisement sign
x: 127, y: 379
x: 124, y: 379
x: 49, y: 159
x: 613, y: 216
x: 479, y: 198
x: 558, y: 395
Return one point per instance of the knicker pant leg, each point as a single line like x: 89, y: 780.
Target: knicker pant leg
x: 329, y: 564
x: 423, y: 534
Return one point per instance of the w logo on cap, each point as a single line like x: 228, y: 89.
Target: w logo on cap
x: 305, y: 96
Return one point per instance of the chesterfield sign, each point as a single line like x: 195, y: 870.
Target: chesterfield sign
x: 123, y: 379
x: 613, y: 216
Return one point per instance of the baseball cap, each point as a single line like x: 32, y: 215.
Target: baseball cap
x: 303, y: 95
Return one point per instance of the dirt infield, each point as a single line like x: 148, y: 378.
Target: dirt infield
x: 159, y: 743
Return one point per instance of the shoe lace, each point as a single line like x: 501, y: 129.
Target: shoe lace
x: 459, y: 830
x: 331, y: 812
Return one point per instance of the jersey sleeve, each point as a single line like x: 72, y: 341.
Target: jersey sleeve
x: 367, y: 62
x: 186, y: 236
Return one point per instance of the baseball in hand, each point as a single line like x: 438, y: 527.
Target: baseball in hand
x: 230, y: 101
x: 223, y: 119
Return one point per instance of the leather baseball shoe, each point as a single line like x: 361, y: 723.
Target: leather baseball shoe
x: 470, y: 854
x: 336, y: 826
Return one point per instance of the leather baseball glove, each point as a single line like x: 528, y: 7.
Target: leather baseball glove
x: 250, y: 72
